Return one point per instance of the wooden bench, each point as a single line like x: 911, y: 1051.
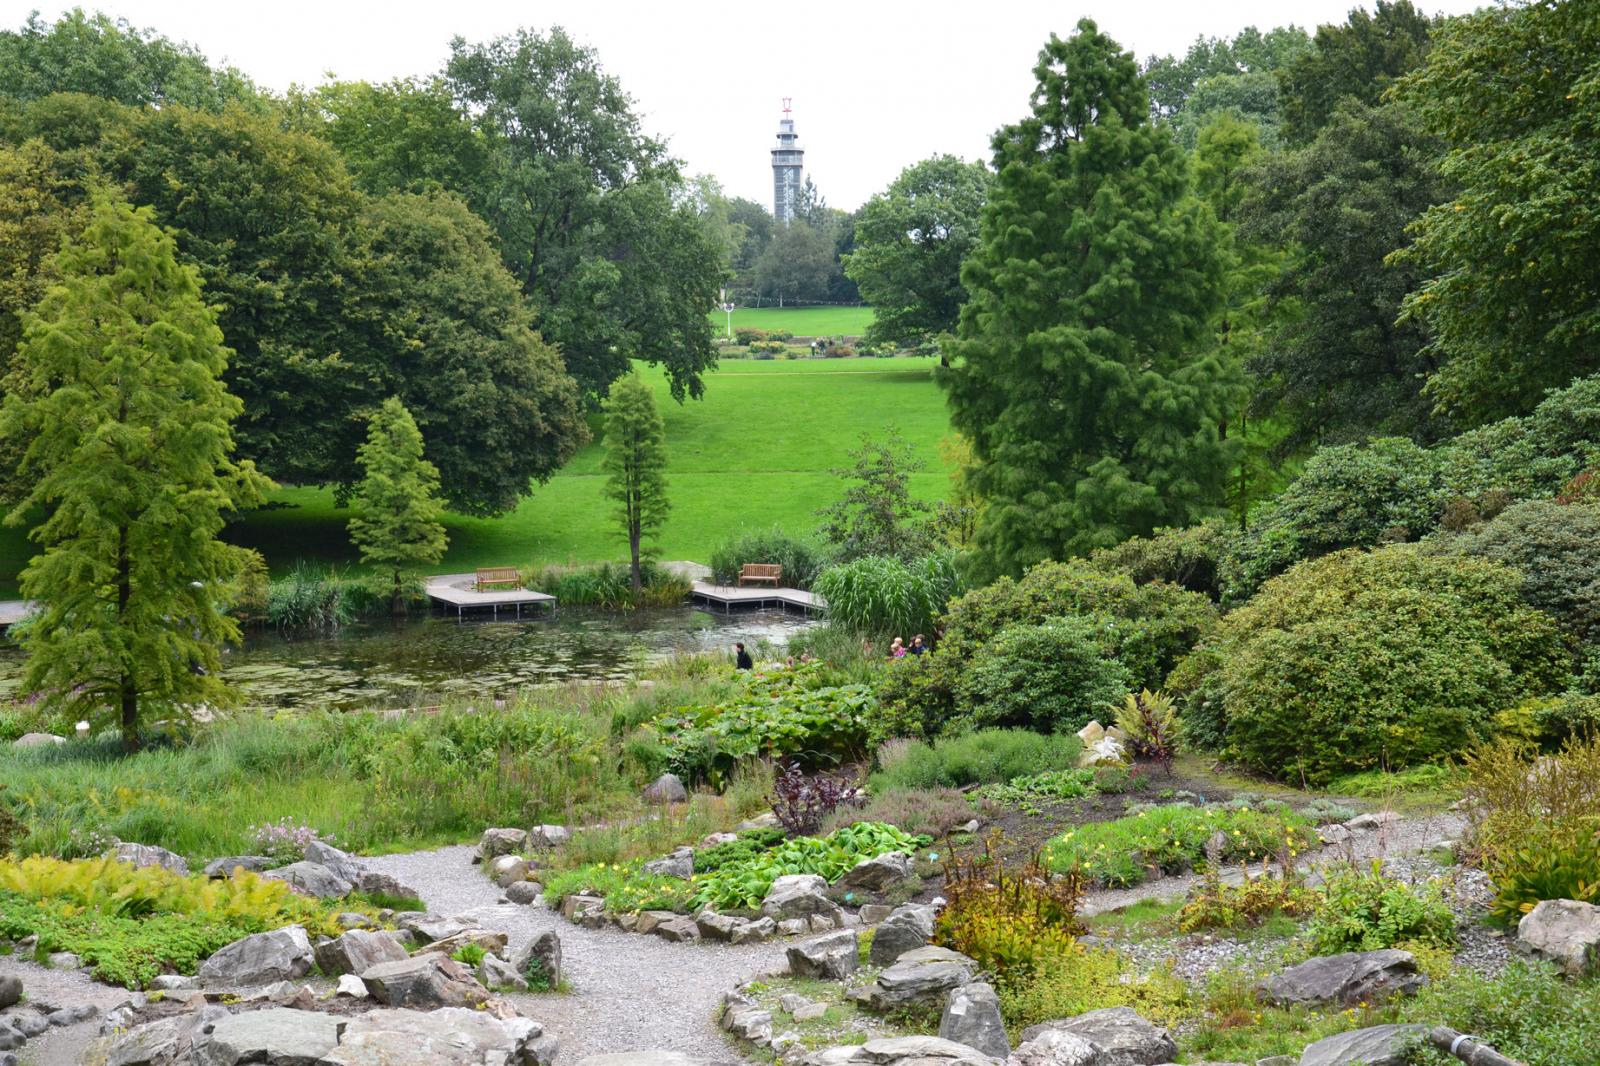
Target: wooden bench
x: 767, y: 573
x: 497, y: 575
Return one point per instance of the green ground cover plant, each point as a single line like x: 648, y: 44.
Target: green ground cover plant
x: 744, y: 883
x: 1368, y: 910
x: 1172, y: 838
x: 986, y: 756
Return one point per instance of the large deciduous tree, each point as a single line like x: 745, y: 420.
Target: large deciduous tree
x: 1359, y: 59
x: 1083, y: 373
x: 635, y: 465
x: 589, y: 210
x: 1512, y: 260
x: 402, y: 135
x: 129, y: 443
x: 910, y: 242
x: 397, y: 525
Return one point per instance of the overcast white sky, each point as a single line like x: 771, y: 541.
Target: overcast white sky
x: 877, y: 84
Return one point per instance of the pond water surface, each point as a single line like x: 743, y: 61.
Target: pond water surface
x: 397, y: 664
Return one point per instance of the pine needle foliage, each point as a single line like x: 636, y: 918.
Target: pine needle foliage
x: 397, y: 527
x: 129, y: 432
x: 635, y: 465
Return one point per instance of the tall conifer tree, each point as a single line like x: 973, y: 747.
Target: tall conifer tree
x: 398, y: 527
x: 636, y: 463
x: 1094, y: 286
x: 129, y: 443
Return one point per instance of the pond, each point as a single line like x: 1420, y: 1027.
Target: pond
x: 398, y: 664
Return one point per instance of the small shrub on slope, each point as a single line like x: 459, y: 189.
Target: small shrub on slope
x: 1366, y: 910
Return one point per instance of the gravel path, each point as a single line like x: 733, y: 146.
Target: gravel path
x: 59, y: 988
x: 629, y: 992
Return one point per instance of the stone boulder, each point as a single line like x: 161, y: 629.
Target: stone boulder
x: 358, y: 951
x: 279, y: 955
x: 907, y: 928
x: 1381, y: 1045
x: 37, y: 740
x: 377, y: 884
x: 577, y: 908
x: 142, y: 855
x: 832, y: 957
x: 1092, y: 733
x: 542, y: 955
x: 972, y: 1017
x: 10, y: 991
x: 921, y: 977
x: 1334, y: 834
x: 426, y: 928
x: 311, y: 879
x: 452, y: 1036
x: 1348, y: 979
x: 679, y: 864
x: 679, y: 929
x: 217, y: 869
x: 1124, y: 1037
x: 668, y: 788
x: 424, y: 982
x: 490, y: 940
x: 800, y: 896
x: 276, y: 1036
x: 524, y: 893
x: 548, y: 836
x: 903, y: 1051
x: 507, y: 870
x: 496, y: 973
x: 747, y: 1021
x: 879, y: 874
x: 1564, y: 931
x: 342, y: 863
x: 1056, y: 1047
x: 351, y: 986
x: 162, y: 1042
x: 497, y: 842
x: 1375, y: 820
x: 753, y: 931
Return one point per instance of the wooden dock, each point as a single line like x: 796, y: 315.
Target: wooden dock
x: 460, y: 591
x: 14, y: 611
x: 728, y: 597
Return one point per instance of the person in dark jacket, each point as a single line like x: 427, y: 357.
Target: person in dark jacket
x: 741, y: 658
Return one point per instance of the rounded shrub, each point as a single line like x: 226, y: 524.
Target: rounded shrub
x: 1360, y: 660
x: 1053, y: 677
x: 1556, y: 547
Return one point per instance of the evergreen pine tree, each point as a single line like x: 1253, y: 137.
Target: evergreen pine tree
x: 1075, y: 373
x: 636, y: 459
x: 397, y: 527
x: 128, y: 431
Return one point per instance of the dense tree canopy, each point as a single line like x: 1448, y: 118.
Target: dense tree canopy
x: 402, y: 135
x: 126, y: 424
x: 1075, y: 374
x: 1513, y: 259
x: 588, y: 210
x: 910, y: 242
x: 1359, y: 58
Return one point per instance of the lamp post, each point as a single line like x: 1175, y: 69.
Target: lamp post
x: 727, y: 307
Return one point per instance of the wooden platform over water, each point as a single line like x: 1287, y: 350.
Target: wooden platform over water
x: 459, y: 591
x: 728, y: 597
x: 14, y: 611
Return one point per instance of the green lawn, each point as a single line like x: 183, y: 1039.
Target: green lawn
x: 801, y: 321
x: 754, y: 453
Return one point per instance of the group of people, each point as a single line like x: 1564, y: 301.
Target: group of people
x: 898, y: 649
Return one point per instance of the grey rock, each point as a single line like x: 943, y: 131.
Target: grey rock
x: 452, y: 1036
x: 879, y: 874
x: 358, y: 951
x: 175, y: 982
x: 28, y: 1025
x: 351, y: 986
x: 641, y: 1058
x: 873, y: 913
x: 793, y: 927
x: 1056, y: 1047
x: 495, y: 972
x: 377, y: 884
x: 911, y: 1051
x: 10, y: 991
x: 1351, y: 978
x: 311, y: 879
x: 276, y: 1036
x: 1334, y: 834
x: 576, y: 908
x: 543, y: 955
x: 224, y: 867
x: 1380, y: 1045
x: 10, y: 1039
x: 748, y: 1022
x: 490, y: 940
x: 424, y: 982
x: 63, y: 960
x: 66, y: 1016
x: 1375, y: 820
x: 497, y: 842
x: 1279, y: 1060
x: 811, y: 1012
x: 800, y: 896
x: 679, y: 864
x: 37, y: 740
x: 279, y: 955
x: 142, y: 855
x: 681, y: 929
x: 714, y: 926
x: 649, y: 920
x: 668, y: 788
x: 922, y: 977
x: 427, y: 928
x: 548, y: 836
x: 1123, y: 1035
x: 753, y: 931
x: 972, y: 1017
x: 907, y: 928
x: 352, y: 920
x: 1564, y: 931
x: 833, y: 957
x: 507, y: 870
x: 524, y: 893
x: 158, y: 1043
x: 821, y: 923
x: 344, y: 864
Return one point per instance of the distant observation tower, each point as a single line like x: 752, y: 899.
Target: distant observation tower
x: 788, y: 164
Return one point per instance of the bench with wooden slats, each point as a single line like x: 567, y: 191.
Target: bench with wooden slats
x: 498, y: 577
x: 761, y: 573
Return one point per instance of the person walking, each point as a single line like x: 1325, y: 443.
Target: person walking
x: 741, y: 658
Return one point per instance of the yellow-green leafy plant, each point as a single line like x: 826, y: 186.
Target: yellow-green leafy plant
x: 1010, y: 921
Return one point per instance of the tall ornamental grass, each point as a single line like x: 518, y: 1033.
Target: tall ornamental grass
x: 610, y: 585
x: 885, y: 596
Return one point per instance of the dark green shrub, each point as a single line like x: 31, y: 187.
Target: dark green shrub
x: 1526, y: 1012
x: 1557, y: 549
x: 1187, y: 558
x: 988, y: 756
x: 1052, y: 677
x: 800, y: 559
x: 1361, y: 660
x: 1531, y: 456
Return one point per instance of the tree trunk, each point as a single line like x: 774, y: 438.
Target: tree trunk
x: 638, y: 576
x: 129, y: 692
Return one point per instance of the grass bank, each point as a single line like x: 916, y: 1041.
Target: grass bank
x: 801, y: 321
